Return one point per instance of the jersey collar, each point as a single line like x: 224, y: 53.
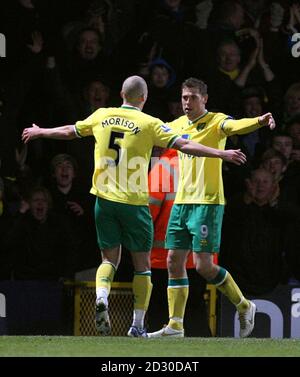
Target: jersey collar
x: 130, y: 107
x: 196, y: 120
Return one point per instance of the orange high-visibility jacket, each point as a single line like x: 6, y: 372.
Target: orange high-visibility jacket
x: 163, y: 181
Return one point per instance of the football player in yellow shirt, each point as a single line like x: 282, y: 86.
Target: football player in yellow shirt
x: 124, y: 138
x: 196, y: 219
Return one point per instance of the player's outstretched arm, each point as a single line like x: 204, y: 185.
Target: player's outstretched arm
x: 236, y: 156
x: 246, y: 125
x: 59, y: 133
x: 189, y: 147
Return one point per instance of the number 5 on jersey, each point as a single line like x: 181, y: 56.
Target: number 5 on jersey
x: 114, y: 144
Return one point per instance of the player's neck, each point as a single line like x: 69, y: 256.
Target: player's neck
x: 126, y: 104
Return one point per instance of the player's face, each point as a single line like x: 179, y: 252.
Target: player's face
x: 193, y: 103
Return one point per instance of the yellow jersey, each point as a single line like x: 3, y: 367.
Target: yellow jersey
x: 200, y: 178
x: 124, y: 138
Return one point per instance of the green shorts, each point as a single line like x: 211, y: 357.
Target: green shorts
x: 123, y: 224
x: 196, y: 227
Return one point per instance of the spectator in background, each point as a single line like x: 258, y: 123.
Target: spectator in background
x: 276, y: 163
x: 86, y: 60
x: 255, y: 13
x: 291, y: 101
x: 160, y: 82
x: 293, y: 129
x: 65, y: 105
x: 226, y: 19
x: 234, y: 72
x: 41, y: 243
x: 283, y: 143
x: 227, y: 16
x: 95, y: 95
x: 174, y: 104
x: 171, y: 29
x: 253, y: 105
x: 255, y: 100
x: 203, y: 9
x: 254, y: 235
x: 20, y: 84
x: 71, y: 201
x: 252, y: 144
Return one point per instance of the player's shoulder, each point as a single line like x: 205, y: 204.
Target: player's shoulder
x: 107, y: 110
x: 177, y: 123
x: 149, y: 121
x: 149, y: 117
x: 102, y: 111
x: 218, y: 117
x: 181, y: 119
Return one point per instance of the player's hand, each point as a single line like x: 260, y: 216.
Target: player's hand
x: 30, y: 133
x: 267, y: 120
x: 234, y: 156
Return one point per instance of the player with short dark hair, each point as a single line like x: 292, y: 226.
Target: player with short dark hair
x: 196, y: 219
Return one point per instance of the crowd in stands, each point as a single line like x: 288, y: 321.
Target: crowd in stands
x: 65, y: 59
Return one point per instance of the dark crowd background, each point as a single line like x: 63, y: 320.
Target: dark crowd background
x: 66, y: 58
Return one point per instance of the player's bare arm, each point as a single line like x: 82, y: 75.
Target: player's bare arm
x: 231, y: 155
x: 59, y: 133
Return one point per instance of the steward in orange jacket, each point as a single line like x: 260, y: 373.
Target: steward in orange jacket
x: 163, y: 181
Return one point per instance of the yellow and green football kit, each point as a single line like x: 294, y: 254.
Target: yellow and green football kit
x: 200, y: 182
x: 196, y: 218
x: 124, y: 138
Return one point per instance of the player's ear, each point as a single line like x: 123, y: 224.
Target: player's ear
x: 122, y: 94
x: 205, y: 98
